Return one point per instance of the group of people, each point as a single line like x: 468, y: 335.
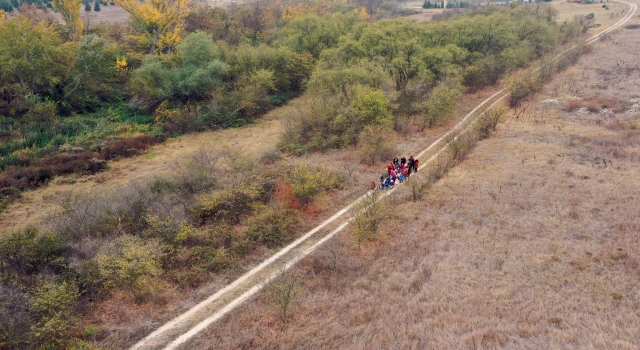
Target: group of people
x: 398, y: 171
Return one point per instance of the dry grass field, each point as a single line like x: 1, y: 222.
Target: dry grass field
x: 530, y: 243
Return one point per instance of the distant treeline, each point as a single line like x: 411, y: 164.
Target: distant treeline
x: 428, y: 4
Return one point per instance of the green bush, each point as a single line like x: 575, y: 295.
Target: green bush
x: 131, y: 263
x: 230, y: 204
x: 25, y: 252
x: 54, y: 304
x: 193, y: 75
x: 308, y: 182
x: 272, y: 227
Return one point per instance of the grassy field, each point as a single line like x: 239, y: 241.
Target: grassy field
x: 531, y: 242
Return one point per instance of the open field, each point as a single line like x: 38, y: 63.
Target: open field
x: 531, y: 242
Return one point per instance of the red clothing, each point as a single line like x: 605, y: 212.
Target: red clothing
x: 390, y: 167
x: 373, y: 185
x: 415, y: 165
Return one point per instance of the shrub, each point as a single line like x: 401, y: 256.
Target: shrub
x: 198, y: 173
x: 131, y: 263
x: 488, y: 122
x: 367, y: 218
x: 53, y: 303
x: 593, y: 106
x: 26, y: 252
x: 15, y: 316
x: 308, y: 182
x: 105, y: 214
x: 282, y: 291
x: 127, y: 146
x: 520, y: 85
x: 375, y: 143
x: 232, y: 203
x: 272, y: 227
x: 573, y: 104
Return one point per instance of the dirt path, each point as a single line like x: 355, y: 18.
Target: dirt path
x: 178, y: 331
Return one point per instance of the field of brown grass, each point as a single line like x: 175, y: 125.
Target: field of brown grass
x: 530, y: 243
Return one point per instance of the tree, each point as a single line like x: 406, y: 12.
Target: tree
x: 94, y: 76
x: 367, y: 218
x: 161, y: 20
x: 375, y: 143
x: 96, y: 6
x: 194, y: 75
x: 441, y: 102
x: 70, y: 12
x: 34, y: 59
x: 282, y: 291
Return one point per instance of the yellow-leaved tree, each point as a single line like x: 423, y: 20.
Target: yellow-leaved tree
x: 70, y: 12
x: 3, y: 16
x: 161, y: 20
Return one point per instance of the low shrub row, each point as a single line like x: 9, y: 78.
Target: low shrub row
x: 16, y: 179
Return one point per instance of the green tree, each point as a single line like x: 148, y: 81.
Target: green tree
x: 93, y: 79
x: 70, y: 12
x: 34, y: 59
x: 441, y: 103
x: 193, y: 74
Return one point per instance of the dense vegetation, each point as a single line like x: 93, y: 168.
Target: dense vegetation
x: 394, y: 74
x: 74, y: 98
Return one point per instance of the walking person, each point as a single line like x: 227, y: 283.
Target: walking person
x: 403, y: 160
x: 390, y: 168
x: 415, y: 165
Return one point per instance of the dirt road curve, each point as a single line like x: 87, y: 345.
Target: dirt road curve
x: 179, y: 330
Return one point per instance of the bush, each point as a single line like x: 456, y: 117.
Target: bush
x: 520, y: 85
x: 106, y: 214
x: 127, y: 146
x: 199, y: 172
x: 488, y: 122
x: 273, y: 227
x: 131, y: 263
x: 282, y: 291
x: 376, y: 144
x: 53, y: 303
x: 367, y: 218
x: 230, y: 204
x: 308, y: 182
x: 16, y: 319
x: 26, y: 252
x: 573, y: 104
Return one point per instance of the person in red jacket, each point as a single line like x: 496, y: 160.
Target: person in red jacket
x: 373, y: 185
x: 416, y: 162
x: 390, y: 168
